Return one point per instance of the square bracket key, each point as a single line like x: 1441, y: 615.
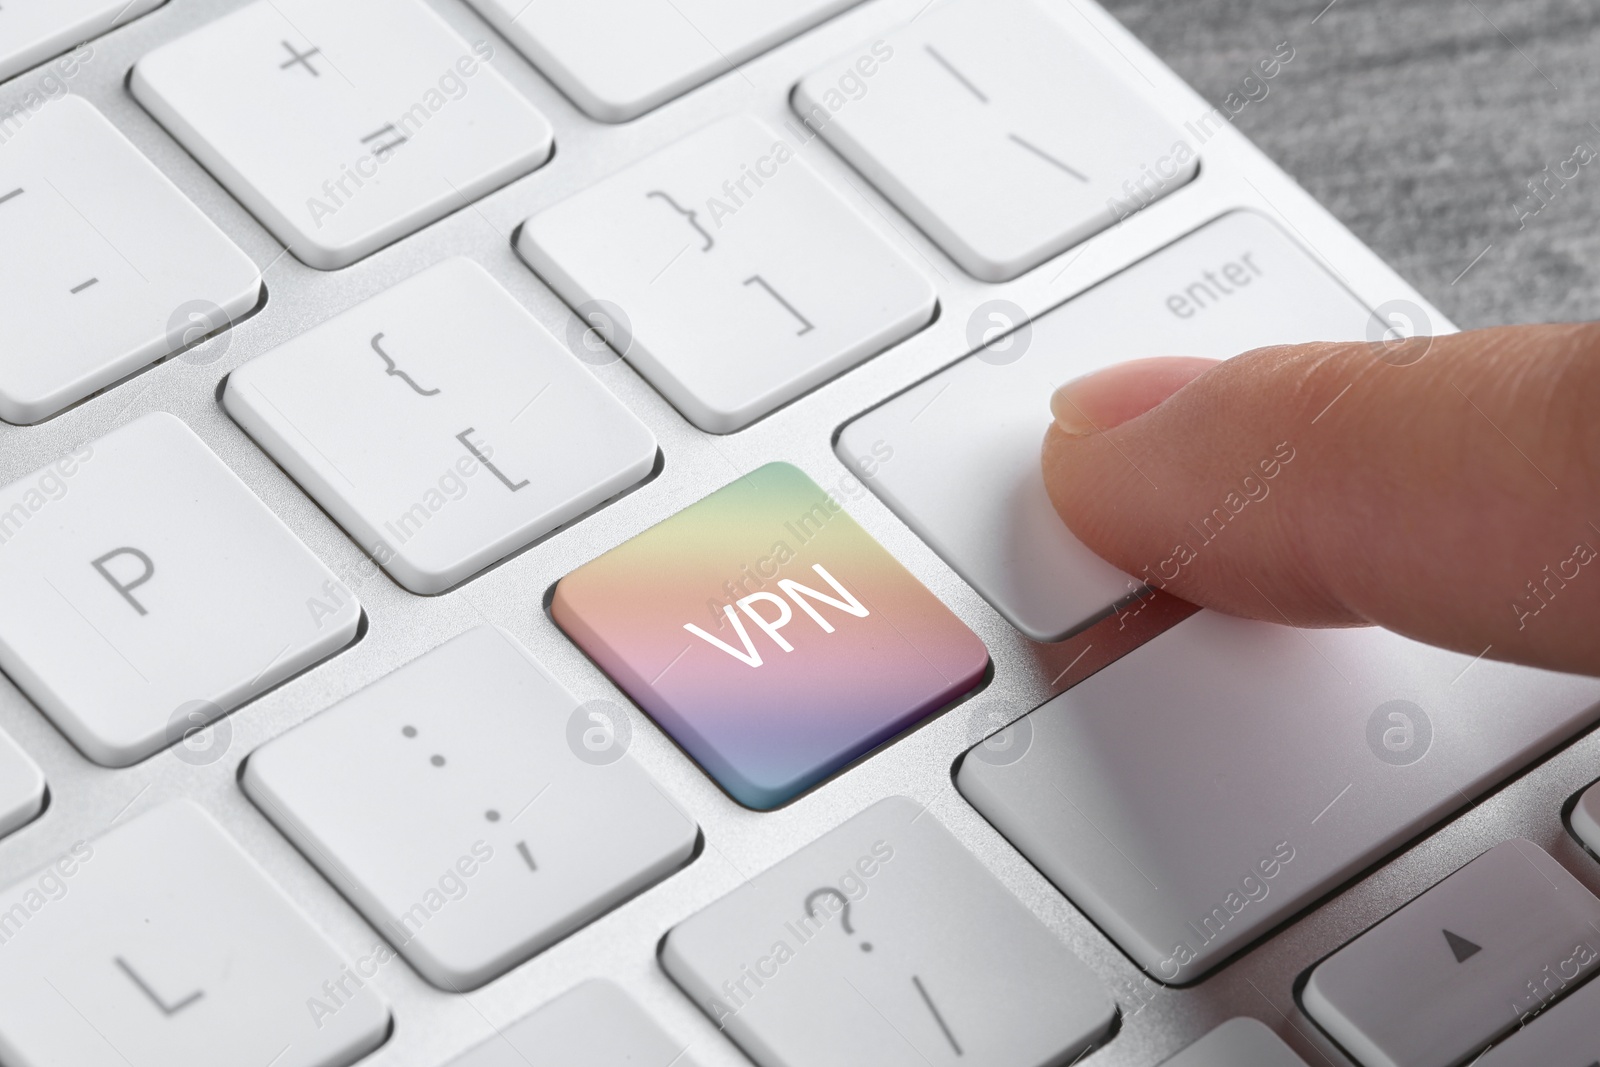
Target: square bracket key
x: 728, y: 273
x: 441, y: 425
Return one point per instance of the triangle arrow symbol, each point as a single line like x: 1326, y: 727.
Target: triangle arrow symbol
x: 1463, y: 949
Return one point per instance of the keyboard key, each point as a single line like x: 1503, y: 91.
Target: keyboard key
x: 905, y: 978
x: 1211, y: 784
x: 96, y: 236
x: 1586, y: 818
x: 342, y: 127
x: 966, y: 471
x: 1238, y: 1043
x: 1438, y: 980
x: 770, y: 635
x: 21, y: 787
x: 617, y: 59
x: 492, y: 433
x: 720, y: 248
x: 1002, y: 136
x: 594, y: 1025
x: 161, y: 942
x: 34, y: 30
x: 144, y: 592
x: 486, y: 834
x: 1563, y: 1036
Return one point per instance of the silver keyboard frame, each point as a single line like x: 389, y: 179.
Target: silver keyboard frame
x: 432, y: 1026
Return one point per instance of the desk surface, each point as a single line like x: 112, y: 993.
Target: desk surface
x: 1420, y: 123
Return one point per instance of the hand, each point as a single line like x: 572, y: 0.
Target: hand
x: 1445, y: 488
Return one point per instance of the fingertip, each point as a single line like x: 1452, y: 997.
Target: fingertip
x: 1053, y: 457
x: 1106, y: 398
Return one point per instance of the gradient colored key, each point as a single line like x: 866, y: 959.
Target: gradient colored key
x: 769, y: 634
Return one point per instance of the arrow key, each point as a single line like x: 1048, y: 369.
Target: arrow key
x: 1463, y: 949
x: 1565, y: 1036
x: 1491, y: 946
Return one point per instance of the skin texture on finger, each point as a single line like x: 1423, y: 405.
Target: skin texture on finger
x: 1447, y: 488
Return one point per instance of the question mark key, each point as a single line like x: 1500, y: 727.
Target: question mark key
x: 964, y: 974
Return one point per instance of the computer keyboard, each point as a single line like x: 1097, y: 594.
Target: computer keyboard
x: 522, y: 542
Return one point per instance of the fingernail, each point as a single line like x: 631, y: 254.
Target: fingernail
x: 1110, y: 397
x: 1067, y: 407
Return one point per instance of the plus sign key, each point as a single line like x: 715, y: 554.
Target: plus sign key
x: 769, y: 634
x: 343, y: 127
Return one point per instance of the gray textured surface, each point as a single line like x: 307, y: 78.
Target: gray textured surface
x: 1419, y: 123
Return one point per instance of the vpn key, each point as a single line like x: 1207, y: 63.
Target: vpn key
x: 769, y: 634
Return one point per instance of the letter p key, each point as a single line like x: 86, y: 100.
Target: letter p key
x: 126, y: 588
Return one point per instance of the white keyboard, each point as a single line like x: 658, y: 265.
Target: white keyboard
x: 522, y: 542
